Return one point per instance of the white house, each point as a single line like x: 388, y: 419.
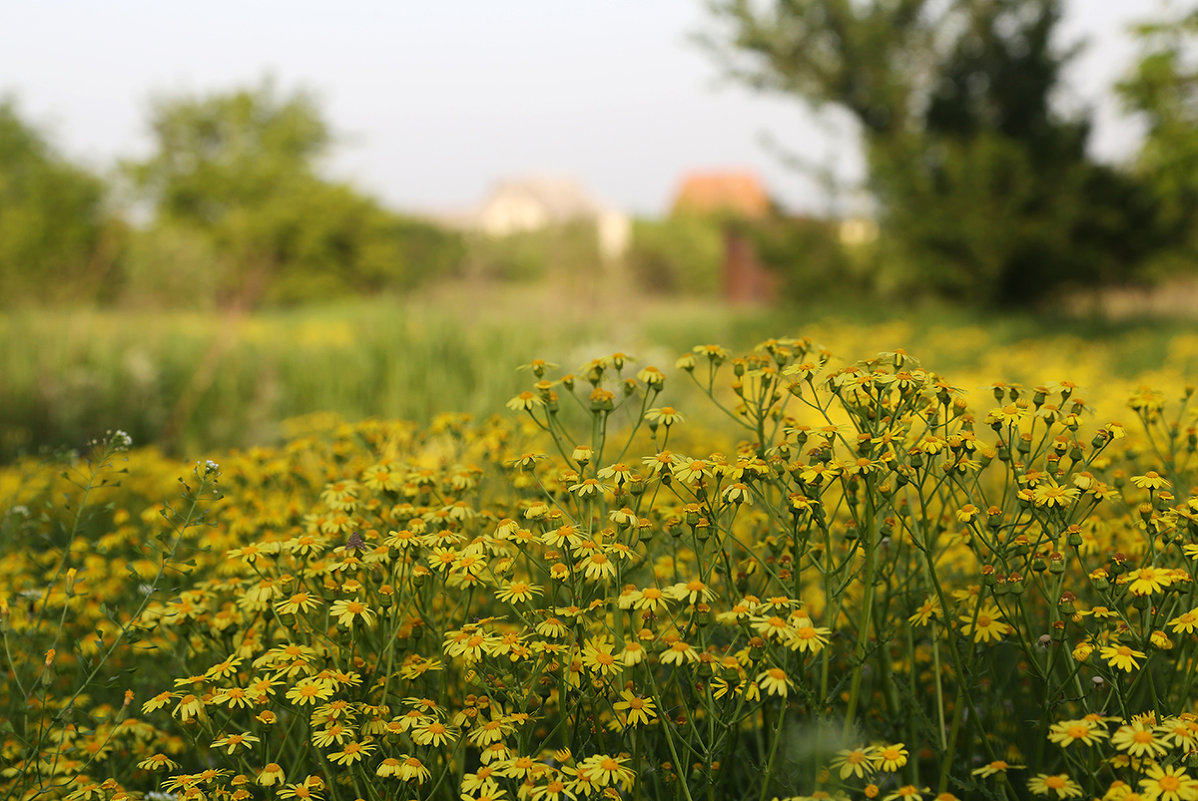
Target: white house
x: 530, y: 204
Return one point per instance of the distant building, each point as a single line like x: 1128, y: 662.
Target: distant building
x: 734, y: 194
x: 735, y: 198
x: 531, y: 204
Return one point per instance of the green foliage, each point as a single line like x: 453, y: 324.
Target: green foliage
x: 681, y: 254
x: 567, y: 251
x: 980, y: 223
x: 1163, y: 90
x: 241, y: 170
x: 809, y: 257
x: 986, y: 189
x: 56, y: 240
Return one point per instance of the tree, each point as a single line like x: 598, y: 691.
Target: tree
x: 242, y: 169
x: 1162, y: 90
x: 56, y: 238
x: 988, y: 189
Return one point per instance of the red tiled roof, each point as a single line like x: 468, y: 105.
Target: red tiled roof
x: 737, y: 193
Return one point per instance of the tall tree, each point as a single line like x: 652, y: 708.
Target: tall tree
x: 1162, y: 90
x: 54, y: 230
x: 986, y: 186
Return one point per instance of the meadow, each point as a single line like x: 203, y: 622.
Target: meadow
x: 188, y: 382
x: 514, y: 551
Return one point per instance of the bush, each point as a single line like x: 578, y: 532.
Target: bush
x: 679, y: 255
x: 568, y: 252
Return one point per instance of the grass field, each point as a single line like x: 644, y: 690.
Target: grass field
x: 192, y: 382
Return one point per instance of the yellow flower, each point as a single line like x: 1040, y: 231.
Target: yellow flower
x: 307, y: 790
x: 1171, y: 783
x: 1061, y: 784
x: 598, y: 658
x: 1181, y: 731
x: 928, y: 610
x: 309, y: 690
x: 988, y: 626
x: 808, y: 638
x: 589, y: 488
x: 1139, y: 739
x: 235, y: 741
x: 485, y: 791
x: 738, y: 493
x: 525, y: 402
x: 774, y: 681
x: 433, y: 732
x: 693, y: 591
x: 678, y: 653
x: 666, y: 416
x: 605, y: 771
x: 1051, y: 495
x: 158, y: 701
x: 412, y: 769
x: 689, y: 471
x: 537, y: 366
x: 1186, y: 622
x: 772, y: 628
x: 597, y: 567
x: 1068, y: 732
x: 271, y: 774
x: 651, y: 377
x: 995, y: 767
x: 299, y: 602
x: 492, y: 731
x: 351, y: 752
x: 854, y: 762
x: 638, y: 711
x: 190, y: 706
x: 1160, y: 639
x: 158, y: 762
x: 650, y: 599
x: 619, y: 474
x: 1122, y: 657
x: 514, y: 592
x: 890, y: 757
x: 633, y: 654
x: 1147, y: 580
x: 335, y: 734
x: 1151, y: 481
x: 348, y: 611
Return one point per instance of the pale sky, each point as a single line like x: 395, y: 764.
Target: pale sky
x: 436, y: 101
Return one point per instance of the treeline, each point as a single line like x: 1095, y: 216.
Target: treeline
x: 985, y: 189
x: 236, y: 214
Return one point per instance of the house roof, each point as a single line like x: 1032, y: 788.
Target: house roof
x: 737, y: 193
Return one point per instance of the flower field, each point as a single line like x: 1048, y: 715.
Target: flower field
x: 768, y: 573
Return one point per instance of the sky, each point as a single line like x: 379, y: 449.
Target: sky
x: 435, y: 102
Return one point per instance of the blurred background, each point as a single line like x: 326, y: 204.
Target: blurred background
x: 216, y: 216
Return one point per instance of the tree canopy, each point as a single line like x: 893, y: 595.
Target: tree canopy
x: 243, y: 170
x: 983, y: 182
x: 53, y: 223
x: 1162, y: 90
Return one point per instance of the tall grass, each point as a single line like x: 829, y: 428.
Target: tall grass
x: 190, y: 381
